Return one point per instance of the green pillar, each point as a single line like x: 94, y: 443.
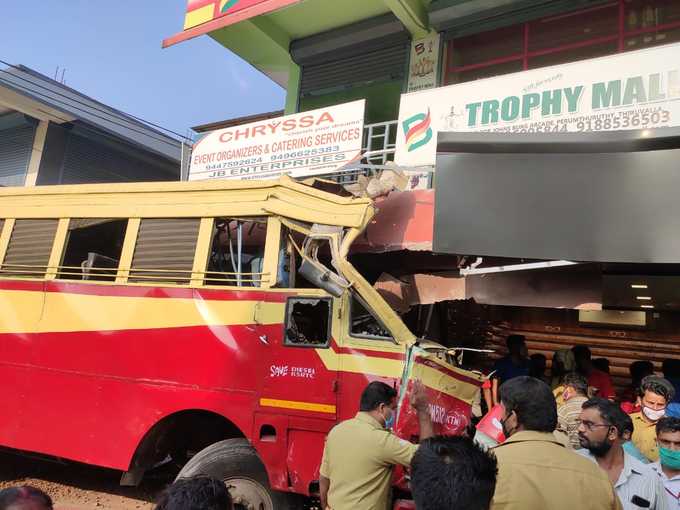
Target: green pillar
x: 413, y: 14
x: 293, y: 89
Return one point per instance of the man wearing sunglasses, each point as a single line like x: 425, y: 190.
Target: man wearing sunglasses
x: 601, y: 432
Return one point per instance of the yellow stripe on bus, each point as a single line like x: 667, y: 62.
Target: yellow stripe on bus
x: 300, y: 406
x: 439, y: 381
x: 53, y: 312
x: 385, y: 367
x: 360, y: 364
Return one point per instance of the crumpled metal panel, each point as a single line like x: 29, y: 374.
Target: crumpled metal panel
x: 420, y: 289
x: 451, y: 393
x: 404, y: 221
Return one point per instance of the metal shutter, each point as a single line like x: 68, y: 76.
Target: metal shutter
x: 16, y: 144
x: 30, y: 245
x: 89, y: 161
x: 383, y: 64
x: 166, y: 244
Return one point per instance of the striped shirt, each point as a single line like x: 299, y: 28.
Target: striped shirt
x: 670, y: 485
x: 637, y: 480
x: 567, y: 419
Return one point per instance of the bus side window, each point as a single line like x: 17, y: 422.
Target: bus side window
x: 290, y: 261
x: 165, y: 250
x: 93, y: 248
x: 363, y: 324
x: 308, y: 322
x: 237, y: 252
x: 29, y: 249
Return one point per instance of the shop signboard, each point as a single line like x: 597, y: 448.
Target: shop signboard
x: 424, y: 63
x: 304, y: 144
x: 633, y: 90
x: 202, y: 11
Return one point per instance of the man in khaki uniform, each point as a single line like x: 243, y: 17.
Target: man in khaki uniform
x: 655, y: 394
x: 356, y: 469
x: 535, y: 471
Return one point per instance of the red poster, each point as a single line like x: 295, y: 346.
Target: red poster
x: 450, y: 393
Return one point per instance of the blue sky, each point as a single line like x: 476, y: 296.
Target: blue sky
x: 112, y: 52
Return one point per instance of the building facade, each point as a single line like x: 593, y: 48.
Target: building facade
x: 53, y: 134
x: 325, y: 53
x: 388, y: 51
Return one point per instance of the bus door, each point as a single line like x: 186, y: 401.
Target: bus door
x: 298, y: 378
x: 301, y: 372
x: 371, y: 354
x: 298, y: 396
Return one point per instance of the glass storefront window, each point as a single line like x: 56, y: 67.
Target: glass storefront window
x: 574, y: 55
x: 637, y: 42
x: 646, y: 14
x: 620, y: 25
x: 486, y: 46
x: 573, y: 28
x: 486, y: 72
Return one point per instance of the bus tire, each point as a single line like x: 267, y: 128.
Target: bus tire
x: 237, y: 463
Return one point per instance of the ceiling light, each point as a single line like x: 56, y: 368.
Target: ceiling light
x: 644, y: 298
x: 638, y: 286
x: 646, y: 306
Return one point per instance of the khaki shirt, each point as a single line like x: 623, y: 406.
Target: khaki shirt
x: 644, y: 437
x: 358, y: 459
x: 535, y: 472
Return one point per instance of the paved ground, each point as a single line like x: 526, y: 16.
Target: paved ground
x: 79, y: 487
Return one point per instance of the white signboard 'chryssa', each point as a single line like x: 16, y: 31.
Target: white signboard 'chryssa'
x: 311, y: 143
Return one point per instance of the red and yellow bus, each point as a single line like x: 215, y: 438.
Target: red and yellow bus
x: 214, y: 324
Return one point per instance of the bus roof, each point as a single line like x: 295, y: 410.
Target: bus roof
x: 211, y: 198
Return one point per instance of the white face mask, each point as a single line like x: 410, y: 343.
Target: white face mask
x: 652, y: 414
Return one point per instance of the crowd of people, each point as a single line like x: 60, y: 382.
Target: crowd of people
x: 565, y: 443
x: 575, y: 377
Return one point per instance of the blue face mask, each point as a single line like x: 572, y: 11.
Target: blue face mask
x: 389, y: 422
x: 670, y: 458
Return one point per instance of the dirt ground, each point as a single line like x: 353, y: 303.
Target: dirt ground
x: 79, y: 487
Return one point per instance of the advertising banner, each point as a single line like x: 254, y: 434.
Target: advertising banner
x: 424, y: 63
x: 451, y: 393
x: 633, y: 90
x: 202, y: 11
x: 300, y: 145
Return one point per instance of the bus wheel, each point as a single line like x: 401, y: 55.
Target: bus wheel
x: 236, y: 462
